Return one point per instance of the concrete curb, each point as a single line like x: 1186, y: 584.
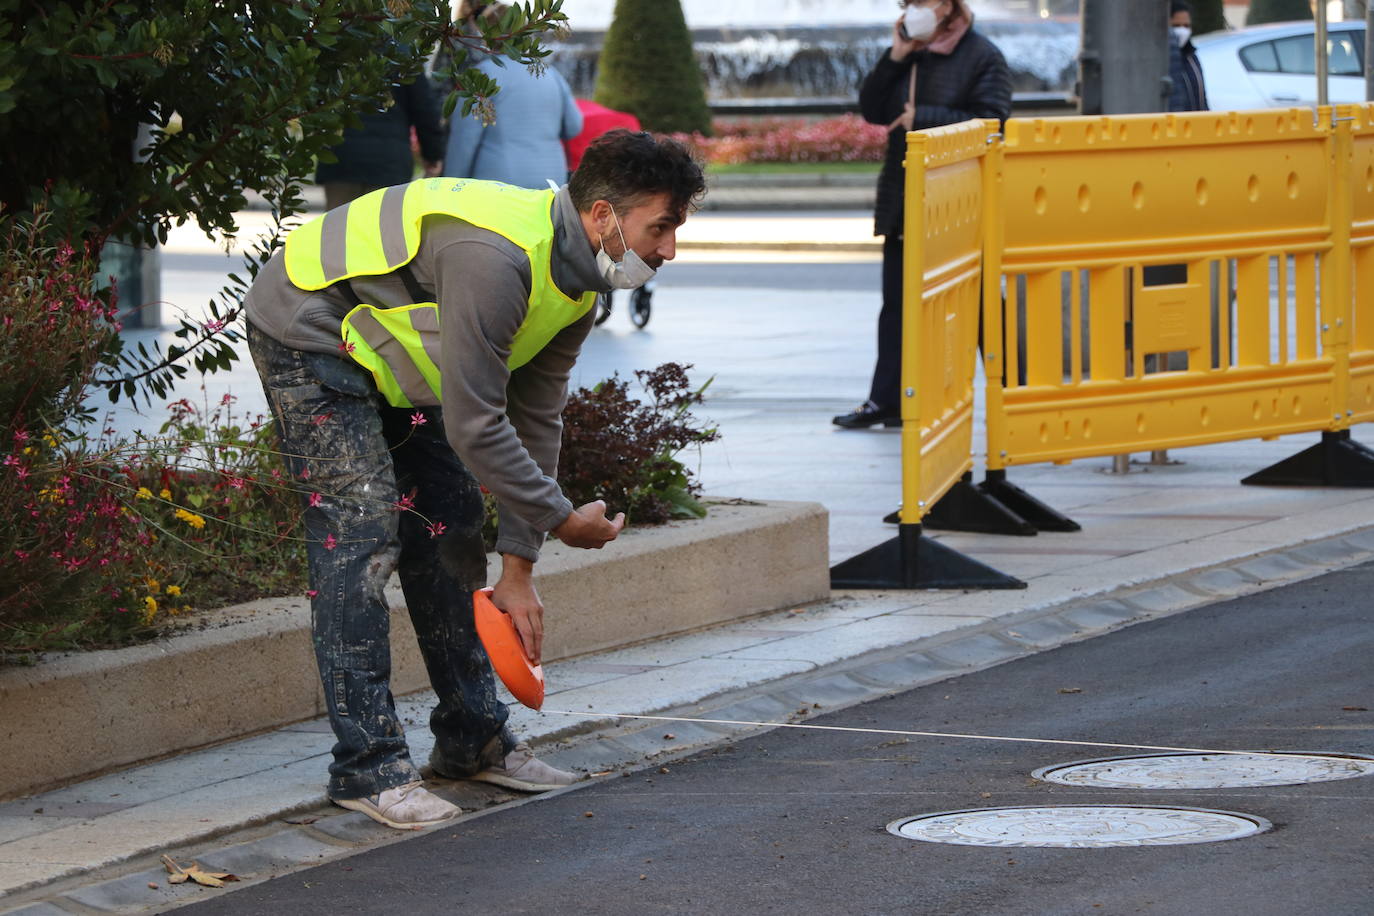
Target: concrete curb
x: 250, y: 668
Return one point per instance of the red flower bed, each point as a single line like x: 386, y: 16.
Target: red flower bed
x: 847, y: 138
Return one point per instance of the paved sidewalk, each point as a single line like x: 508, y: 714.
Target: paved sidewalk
x: 1155, y: 541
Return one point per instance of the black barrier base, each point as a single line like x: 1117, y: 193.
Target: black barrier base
x: 996, y: 486
x: 1336, y: 461
x: 912, y: 561
x: 995, y: 506
x: 965, y: 507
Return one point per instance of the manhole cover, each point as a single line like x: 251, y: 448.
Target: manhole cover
x: 1079, y: 826
x: 1206, y: 771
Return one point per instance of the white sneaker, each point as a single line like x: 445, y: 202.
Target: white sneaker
x: 524, y: 772
x: 407, y: 807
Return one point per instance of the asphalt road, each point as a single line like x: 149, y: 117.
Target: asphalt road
x: 794, y: 821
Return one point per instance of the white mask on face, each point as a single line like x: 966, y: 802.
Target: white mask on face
x: 919, y: 22
x: 1182, y: 33
x: 631, y: 272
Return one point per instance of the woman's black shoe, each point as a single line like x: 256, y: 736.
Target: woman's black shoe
x: 865, y: 415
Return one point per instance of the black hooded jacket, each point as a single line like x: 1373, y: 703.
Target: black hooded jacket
x: 972, y: 81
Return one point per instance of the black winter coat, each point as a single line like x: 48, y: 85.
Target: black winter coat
x: 972, y: 81
x: 378, y: 153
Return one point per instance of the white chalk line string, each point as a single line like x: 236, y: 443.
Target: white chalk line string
x: 919, y: 734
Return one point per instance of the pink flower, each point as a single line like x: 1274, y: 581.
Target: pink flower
x: 323, y: 418
x: 404, y: 503
x: 435, y: 529
x: 330, y: 543
x: 315, y: 499
x: 305, y: 473
x: 347, y: 347
x: 213, y: 327
x: 311, y: 593
x: 418, y: 419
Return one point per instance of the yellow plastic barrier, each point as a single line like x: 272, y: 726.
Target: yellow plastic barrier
x: 1147, y: 262
x: 948, y: 176
x: 1358, y: 120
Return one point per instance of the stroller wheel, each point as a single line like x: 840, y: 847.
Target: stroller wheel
x: 639, y: 306
x: 603, y: 307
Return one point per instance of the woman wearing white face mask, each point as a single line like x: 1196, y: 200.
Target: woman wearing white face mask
x: 939, y: 70
x: 1188, y: 92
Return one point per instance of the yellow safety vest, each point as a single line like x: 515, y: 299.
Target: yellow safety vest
x: 380, y: 232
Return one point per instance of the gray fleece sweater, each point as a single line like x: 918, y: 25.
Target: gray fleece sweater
x: 505, y: 426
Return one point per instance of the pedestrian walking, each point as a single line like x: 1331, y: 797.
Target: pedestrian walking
x: 377, y: 153
x: 412, y: 344
x: 534, y: 115
x: 1187, y: 92
x: 939, y: 70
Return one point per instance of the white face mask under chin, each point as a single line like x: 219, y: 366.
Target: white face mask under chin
x: 919, y: 22
x: 630, y: 272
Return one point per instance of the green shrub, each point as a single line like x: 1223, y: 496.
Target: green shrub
x: 647, y: 68
x: 1208, y: 16
x: 1262, y: 11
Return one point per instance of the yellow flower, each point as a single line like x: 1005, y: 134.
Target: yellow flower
x: 165, y: 493
x: 150, y: 603
x: 190, y: 518
x: 143, y: 493
x: 174, y: 590
x: 49, y: 440
x: 154, y: 586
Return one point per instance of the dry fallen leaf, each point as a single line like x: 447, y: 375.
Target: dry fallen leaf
x: 1355, y: 708
x: 179, y: 875
x: 669, y: 736
x: 1070, y: 689
x: 210, y: 878
x: 300, y: 821
x: 152, y: 885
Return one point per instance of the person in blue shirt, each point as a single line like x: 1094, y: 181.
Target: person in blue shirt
x: 534, y: 115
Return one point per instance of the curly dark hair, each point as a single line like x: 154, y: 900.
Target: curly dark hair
x: 624, y: 167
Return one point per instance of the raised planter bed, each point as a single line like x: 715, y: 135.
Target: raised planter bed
x: 250, y: 667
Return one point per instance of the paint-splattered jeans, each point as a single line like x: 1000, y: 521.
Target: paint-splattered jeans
x: 354, y: 458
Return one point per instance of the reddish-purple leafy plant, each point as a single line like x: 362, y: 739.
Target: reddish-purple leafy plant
x: 624, y: 450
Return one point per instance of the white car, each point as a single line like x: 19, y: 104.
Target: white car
x: 1274, y: 66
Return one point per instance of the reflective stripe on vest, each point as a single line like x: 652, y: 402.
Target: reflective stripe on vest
x: 400, y: 347
x: 379, y: 232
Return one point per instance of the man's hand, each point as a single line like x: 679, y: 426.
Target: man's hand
x: 514, y: 593
x: 588, y: 526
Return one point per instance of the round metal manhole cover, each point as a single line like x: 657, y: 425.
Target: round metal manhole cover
x: 1079, y: 826
x: 1206, y: 771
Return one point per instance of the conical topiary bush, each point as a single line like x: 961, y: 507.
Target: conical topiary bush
x: 1208, y: 16
x: 647, y: 68
x: 1262, y: 11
